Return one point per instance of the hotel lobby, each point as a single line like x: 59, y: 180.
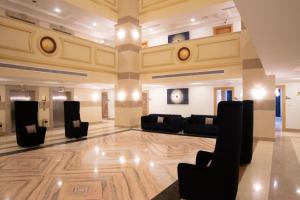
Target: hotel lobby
x: 149, y: 100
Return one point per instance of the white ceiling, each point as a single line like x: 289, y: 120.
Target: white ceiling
x: 20, y: 81
x: 81, y: 21
x: 275, y: 30
x: 74, y: 18
x: 206, y: 17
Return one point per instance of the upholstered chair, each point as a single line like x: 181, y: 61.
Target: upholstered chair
x: 28, y: 131
x: 215, y: 175
x: 74, y: 127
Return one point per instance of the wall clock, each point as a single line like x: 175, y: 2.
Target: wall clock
x: 184, y: 53
x: 48, y: 45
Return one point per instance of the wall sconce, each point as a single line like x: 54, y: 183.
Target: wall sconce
x: 45, y: 122
x: 122, y: 95
x: 95, y: 97
x: 121, y: 34
x: 136, y: 95
x: 135, y: 34
x: 258, y: 93
x: 44, y: 100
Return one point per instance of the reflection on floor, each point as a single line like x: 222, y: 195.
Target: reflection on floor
x: 124, y: 166
x: 139, y: 165
x: 57, y: 136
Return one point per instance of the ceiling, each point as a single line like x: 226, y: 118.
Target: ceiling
x: 204, y: 17
x: 23, y: 81
x: 84, y: 24
x: 275, y: 31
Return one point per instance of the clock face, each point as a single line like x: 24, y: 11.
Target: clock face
x: 184, y: 53
x: 48, y: 45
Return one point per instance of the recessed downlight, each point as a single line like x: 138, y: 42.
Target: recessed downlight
x: 94, y: 24
x: 192, y: 20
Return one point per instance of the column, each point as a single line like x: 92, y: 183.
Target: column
x: 259, y: 87
x: 128, y: 105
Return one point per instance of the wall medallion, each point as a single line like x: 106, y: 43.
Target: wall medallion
x: 48, y: 45
x: 184, y: 54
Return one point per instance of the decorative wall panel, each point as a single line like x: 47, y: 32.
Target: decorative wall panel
x: 21, y: 37
x: 21, y: 42
x: 210, y: 52
x: 76, y: 52
x: 105, y: 58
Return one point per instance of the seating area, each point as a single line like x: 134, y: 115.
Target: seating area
x: 149, y: 100
x: 30, y: 134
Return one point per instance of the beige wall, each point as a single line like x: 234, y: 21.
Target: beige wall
x: 90, y: 109
x: 211, y: 52
x: 201, y: 100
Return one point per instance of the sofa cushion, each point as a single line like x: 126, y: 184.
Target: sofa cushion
x: 160, y: 120
x: 31, y: 129
x: 209, y: 121
x: 76, y: 123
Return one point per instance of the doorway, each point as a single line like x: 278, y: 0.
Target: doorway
x: 104, y: 105
x: 280, y: 100
x: 222, y: 94
x: 145, y: 103
x: 58, y: 96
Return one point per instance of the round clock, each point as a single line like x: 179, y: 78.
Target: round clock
x: 48, y: 45
x: 184, y: 53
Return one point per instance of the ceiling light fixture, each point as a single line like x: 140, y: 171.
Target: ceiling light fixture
x: 151, y: 29
x: 192, y: 19
x: 57, y: 10
x: 94, y: 24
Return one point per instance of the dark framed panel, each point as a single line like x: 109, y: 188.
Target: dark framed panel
x: 179, y: 37
x: 178, y: 96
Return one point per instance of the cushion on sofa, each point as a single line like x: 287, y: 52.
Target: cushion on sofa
x: 209, y: 121
x: 160, y: 120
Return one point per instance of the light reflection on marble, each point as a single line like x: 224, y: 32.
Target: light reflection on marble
x: 105, y: 168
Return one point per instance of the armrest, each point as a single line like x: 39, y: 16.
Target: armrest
x: 203, y: 158
x: 41, y: 130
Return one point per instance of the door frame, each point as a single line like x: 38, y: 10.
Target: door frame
x: 102, y: 105
x: 145, y: 92
x: 51, y: 90
x: 8, y: 107
x: 283, y: 109
x: 215, y: 96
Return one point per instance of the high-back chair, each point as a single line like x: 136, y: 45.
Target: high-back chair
x: 28, y: 132
x: 74, y: 127
x: 215, y: 175
x: 247, y: 136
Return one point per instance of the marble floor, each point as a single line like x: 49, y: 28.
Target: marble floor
x: 120, y: 164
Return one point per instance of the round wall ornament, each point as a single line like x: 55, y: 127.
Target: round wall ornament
x: 184, y: 54
x: 48, y: 45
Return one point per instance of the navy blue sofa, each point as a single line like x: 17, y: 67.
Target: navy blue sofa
x: 171, y: 123
x: 196, y: 125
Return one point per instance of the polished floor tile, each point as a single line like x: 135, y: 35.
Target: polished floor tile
x: 129, y: 165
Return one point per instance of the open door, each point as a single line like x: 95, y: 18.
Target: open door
x: 222, y: 94
x: 104, y: 105
x: 145, y: 103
